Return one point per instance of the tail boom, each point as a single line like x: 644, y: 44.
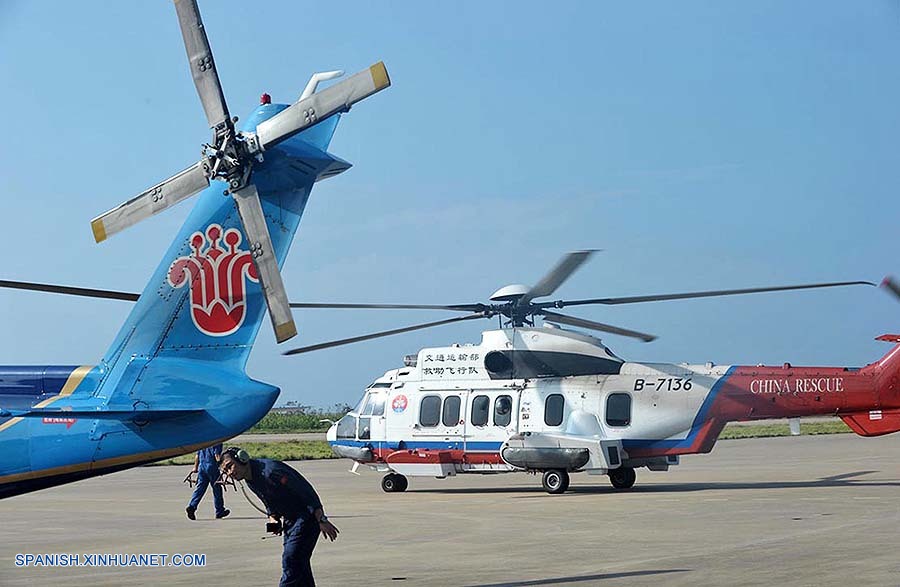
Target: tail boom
x: 866, y: 399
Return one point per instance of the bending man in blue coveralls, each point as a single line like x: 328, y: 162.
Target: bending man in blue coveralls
x: 293, y: 507
x: 206, y: 465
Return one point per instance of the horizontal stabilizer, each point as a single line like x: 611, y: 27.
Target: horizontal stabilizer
x: 889, y: 338
x: 123, y: 415
x: 873, y: 422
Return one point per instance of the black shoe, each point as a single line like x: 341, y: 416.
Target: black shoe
x: 190, y: 513
x: 224, y: 514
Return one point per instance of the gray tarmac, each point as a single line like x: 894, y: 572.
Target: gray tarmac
x: 808, y: 510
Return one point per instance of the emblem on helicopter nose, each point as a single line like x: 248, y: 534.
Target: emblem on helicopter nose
x: 216, y: 279
x: 399, y: 403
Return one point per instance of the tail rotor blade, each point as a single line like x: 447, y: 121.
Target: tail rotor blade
x: 161, y: 196
x: 203, y: 68
x: 316, y: 108
x: 581, y: 322
x: 260, y: 245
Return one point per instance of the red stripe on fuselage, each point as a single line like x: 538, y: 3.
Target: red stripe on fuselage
x: 431, y: 456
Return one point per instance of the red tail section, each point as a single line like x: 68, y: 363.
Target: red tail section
x: 885, y: 418
x: 874, y: 422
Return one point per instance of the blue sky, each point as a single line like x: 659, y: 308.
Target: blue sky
x: 701, y: 145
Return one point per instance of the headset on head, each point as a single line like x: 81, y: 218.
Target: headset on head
x: 238, y: 454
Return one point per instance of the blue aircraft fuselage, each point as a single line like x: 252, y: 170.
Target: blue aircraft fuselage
x: 63, y: 445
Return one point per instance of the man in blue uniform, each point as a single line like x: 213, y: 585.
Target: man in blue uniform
x: 293, y: 506
x: 206, y: 466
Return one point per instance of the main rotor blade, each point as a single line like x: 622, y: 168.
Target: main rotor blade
x: 260, y: 246
x: 334, y: 343
x: 133, y: 297
x: 203, y: 68
x: 72, y: 291
x: 552, y: 280
x: 891, y: 285
x: 581, y: 322
x: 696, y: 294
x: 452, y: 308
x: 316, y: 108
x: 161, y: 196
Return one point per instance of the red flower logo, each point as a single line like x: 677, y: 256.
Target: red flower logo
x: 216, y: 279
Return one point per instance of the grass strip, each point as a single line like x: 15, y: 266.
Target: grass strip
x: 295, y: 422
x: 289, y: 450
x: 733, y: 431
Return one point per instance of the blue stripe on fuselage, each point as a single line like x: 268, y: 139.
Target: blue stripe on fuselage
x: 695, y: 426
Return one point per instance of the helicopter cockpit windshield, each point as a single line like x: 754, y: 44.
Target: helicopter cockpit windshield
x: 357, y: 423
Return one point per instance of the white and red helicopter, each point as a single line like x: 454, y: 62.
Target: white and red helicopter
x: 549, y: 400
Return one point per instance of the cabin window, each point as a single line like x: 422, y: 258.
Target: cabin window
x: 346, y: 427
x: 378, y: 404
x: 364, y: 428
x: 553, y: 409
x: 481, y: 407
x: 450, y: 416
x: 618, y: 409
x: 366, y: 406
x: 430, y: 411
x: 502, y: 410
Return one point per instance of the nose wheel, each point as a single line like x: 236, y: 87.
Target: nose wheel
x: 622, y: 478
x: 555, y: 481
x: 394, y: 483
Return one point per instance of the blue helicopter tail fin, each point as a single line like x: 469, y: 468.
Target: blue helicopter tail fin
x: 204, y: 300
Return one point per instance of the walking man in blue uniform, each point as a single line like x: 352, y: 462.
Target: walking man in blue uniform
x: 293, y: 507
x: 206, y: 466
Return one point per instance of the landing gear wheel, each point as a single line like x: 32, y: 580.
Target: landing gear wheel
x: 555, y: 481
x: 622, y: 478
x: 394, y: 483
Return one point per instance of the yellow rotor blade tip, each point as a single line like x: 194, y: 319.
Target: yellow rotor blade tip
x: 99, y: 230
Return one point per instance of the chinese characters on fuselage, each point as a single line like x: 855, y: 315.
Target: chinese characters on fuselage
x: 451, y: 364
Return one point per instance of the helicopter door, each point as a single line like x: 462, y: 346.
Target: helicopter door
x: 371, y: 424
x: 440, y: 421
x: 493, y: 416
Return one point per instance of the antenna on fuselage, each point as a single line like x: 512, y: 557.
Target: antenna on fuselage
x: 314, y: 80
